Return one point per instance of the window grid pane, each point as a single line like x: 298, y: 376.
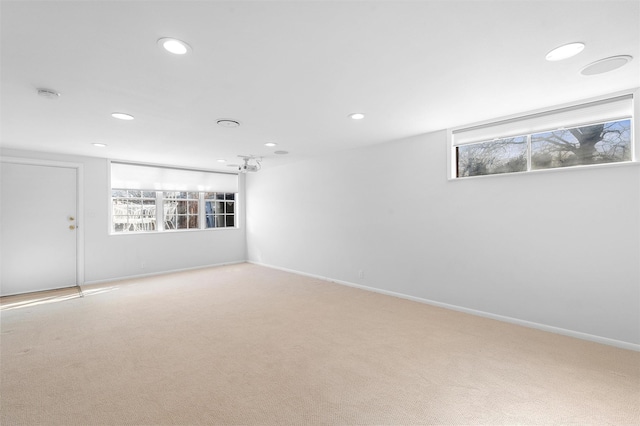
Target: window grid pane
x: 219, y: 210
x: 180, y: 210
x: 133, y: 210
x: 601, y: 143
x: 506, y: 155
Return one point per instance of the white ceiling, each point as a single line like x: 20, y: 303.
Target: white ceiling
x: 291, y: 72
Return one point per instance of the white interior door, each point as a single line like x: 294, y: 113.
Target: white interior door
x: 39, y: 244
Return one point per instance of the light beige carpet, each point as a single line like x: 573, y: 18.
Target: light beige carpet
x: 244, y: 344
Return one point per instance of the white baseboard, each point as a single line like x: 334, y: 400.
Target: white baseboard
x: 153, y: 274
x: 557, y: 330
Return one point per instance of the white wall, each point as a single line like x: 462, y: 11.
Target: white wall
x: 560, y: 249
x: 108, y: 257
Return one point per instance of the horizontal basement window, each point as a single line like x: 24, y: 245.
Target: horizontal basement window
x: 592, y: 133
x: 151, y: 199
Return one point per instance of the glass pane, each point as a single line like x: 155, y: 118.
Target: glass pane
x: 119, y: 223
x: 230, y: 196
x: 169, y: 194
x: 134, y: 193
x: 182, y: 222
x: 209, y: 195
x: 149, y: 208
x: 219, y: 207
x: 506, y: 155
x: 119, y: 208
x: 230, y: 220
x: 135, y: 223
x: 210, y: 221
x: 119, y: 193
x: 208, y: 207
x: 135, y: 207
x: 193, y: 207
x: 170, y: 222
x: 185, y: 195
x: 193, y: 222
x: 181, y: 207
x: 219, y: 196
x: 594, y: 144
x: 220, y: 221
x: 149, y: 194
x: 170, y: 207
x: 229, y: 207
x: 148, y: 223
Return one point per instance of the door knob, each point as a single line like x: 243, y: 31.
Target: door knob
x: 71, y: 218
x: 72, y: 227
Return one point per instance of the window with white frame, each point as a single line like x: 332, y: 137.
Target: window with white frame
x: 150, y: 198
x: 220, y: 209
x: 133, y: 210
x: 180, y: 209
x: 597, y: 132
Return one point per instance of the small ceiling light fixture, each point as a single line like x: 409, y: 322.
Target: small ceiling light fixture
x: 48, y: 93
x: 99, y: 145
x: 565, y: 51
x: 270, y: 144
x: 122, y: 116
x: 356, y: 116
x: 227, y: 122
x: 606, y: 65
x: 222, y: 160
x: 175, y: 46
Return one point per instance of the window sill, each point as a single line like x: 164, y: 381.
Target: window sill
x: 554, y: 170
x: 173, y: 231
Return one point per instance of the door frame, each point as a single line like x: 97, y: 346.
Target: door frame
x: 79, y: 169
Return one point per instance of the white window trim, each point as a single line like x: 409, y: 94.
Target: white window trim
x: 635, y: 141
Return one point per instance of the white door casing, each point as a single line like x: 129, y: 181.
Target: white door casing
x: 39, y: 235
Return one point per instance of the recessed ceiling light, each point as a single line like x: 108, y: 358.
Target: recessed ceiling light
x: 606, y: 65
x: 99, y: 145
x: 48, y: 93
x: 565, y: 51
x: 356, y: 116
x: 270, y: 144
x: 122, y: 116
x: 226, y: 122
x: 281, y: 152
x: 221, y: 160
x: 175, y: 46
